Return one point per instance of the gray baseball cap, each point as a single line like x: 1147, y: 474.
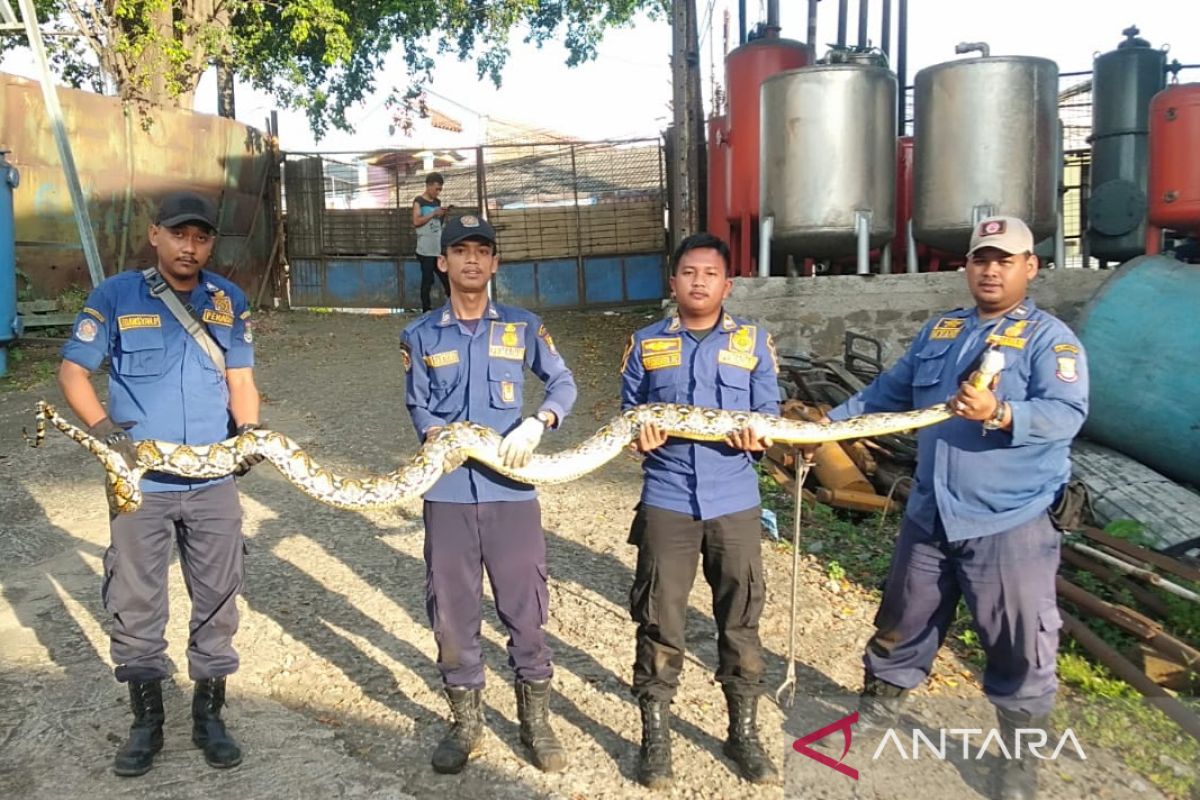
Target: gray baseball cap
x: 1009, y: 234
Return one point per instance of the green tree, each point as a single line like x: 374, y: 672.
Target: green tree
x: 322, y: 56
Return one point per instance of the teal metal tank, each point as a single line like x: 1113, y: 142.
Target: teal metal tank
x: 1141, y: 333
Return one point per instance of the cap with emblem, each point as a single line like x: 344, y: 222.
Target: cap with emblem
x: 1003, y: 233
x: 180, y: 207
x: 468, y: 226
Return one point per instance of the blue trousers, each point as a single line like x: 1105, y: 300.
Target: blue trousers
x: 1007, y: 580
x: 506, y: 539
x: 206, y: 525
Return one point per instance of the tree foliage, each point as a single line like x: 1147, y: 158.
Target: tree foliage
x: 322, y: 56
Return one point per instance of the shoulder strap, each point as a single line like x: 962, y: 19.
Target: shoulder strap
x: 160, y: 289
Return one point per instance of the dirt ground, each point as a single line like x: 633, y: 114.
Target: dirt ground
x: 338, y: 694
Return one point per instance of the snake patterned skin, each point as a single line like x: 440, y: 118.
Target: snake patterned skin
x: 452, y: 445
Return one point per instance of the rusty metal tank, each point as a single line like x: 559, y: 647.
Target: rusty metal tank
x: 1175, y: 158
x: 829, y: 155
x: 745, y: 70
x: 718, y: 217
x: 986, y: 136
x: 1123, y: 83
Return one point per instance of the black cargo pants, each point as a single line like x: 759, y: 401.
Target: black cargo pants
x: 668, y: 544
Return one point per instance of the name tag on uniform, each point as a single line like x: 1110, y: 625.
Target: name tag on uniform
x: 661, y: 353
x: 743, y: 360
x: 441, y: 359
x: 947, y: 328
x: 1014, y: 336
x: 217, y: 318
x: 130, y: 321
x: 507, y: 340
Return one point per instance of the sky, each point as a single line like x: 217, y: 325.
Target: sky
x: 626, y: 91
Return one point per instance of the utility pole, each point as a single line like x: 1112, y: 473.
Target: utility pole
x: 685, y: 91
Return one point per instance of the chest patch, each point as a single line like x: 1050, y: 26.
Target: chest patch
x: 947, y: 328
x: 443, y: 359
x: 662, y: 352
x: 507, y: 340
x: 128, y: 322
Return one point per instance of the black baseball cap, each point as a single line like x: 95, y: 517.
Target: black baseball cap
x: 180, y: 207
x: 468, y: 226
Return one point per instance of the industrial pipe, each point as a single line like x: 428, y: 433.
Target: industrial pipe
x: 812, y: 24
x: 741, y: 21
x: 885, y: 259
x: 910, y: 251
x: 766, y: 231
x: 1145, y: 574
x: 772, y: 19
x: 1060, y: 239
x: 902, y: 66
x: 971, y: 47
x: 843, y: 13
x: 9, y: 328
x: 885, y: 32
x: 1164, y: 562
x: 862, y: 225
x: 1148, y: 599
x: 1129, y: 621
x: 863, y: 9
x: 1123, y: 669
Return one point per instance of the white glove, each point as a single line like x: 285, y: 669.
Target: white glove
x: 521, y: 441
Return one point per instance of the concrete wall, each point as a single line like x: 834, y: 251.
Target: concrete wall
x: 125, y: 168
x: 812, y: 315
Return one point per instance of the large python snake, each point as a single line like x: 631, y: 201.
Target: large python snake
x: 449, y: 447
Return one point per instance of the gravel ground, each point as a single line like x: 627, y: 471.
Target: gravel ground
x: 338, y: 694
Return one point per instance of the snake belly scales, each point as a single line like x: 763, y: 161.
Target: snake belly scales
x: 451, y: 446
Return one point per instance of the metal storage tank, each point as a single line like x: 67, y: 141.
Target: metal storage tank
x: 1174, y: 162
x: 976, y: 154
x: 829, y: 152
x: 1140, y: 331
x: 1123, y: 82
x: 745, y: 70
x: 718, y: 217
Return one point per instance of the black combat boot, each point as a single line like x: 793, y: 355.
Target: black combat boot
x: 465, y: 734
x: 654, y: 758
x: 879, y: 705
x: 208, y: 730
x: 136, y: 756
x: 743, y: 745
x: 1017, y: 776
x: 533, y: 707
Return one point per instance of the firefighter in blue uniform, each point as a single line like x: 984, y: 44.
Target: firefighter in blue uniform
x: 164, y: 385
x: 699, y: 499
x: 977, y: 525
x: 467, y: 361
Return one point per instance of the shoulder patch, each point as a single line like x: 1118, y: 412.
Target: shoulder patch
x: 1066, y: 348
x: 1065, y: 369
x: 545, y: 336
x: 628, y: 350
x: 406, y: 356
x: 93, y: 312
x: 86, y: 330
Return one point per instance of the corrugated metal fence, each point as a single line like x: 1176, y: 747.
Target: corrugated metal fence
x: 579, y: 223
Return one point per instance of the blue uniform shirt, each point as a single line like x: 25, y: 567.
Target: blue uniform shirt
x: 733, y: 367
x: 981, y: 485
x: 455, y: 374
x: 160, y: 379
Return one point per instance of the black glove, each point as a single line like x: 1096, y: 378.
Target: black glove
x: 251, y: 460
x: 115, y: 436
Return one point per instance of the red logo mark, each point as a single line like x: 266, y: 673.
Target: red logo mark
x: 802, y: 745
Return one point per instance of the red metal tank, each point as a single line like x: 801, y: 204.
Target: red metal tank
x: 745, y: 70
x: 1174, y: 188
x: 718, y: 215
